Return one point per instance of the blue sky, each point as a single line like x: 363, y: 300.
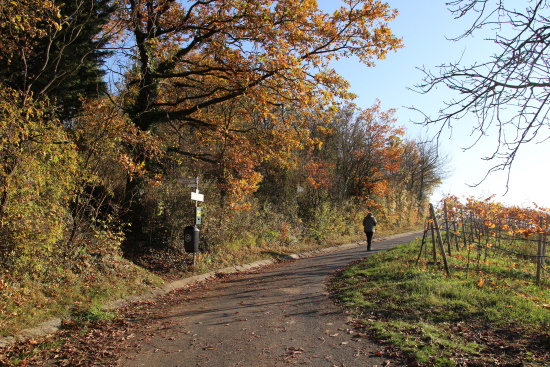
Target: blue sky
x: 424, y: 26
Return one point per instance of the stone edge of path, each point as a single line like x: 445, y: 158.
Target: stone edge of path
x: 53, y: 325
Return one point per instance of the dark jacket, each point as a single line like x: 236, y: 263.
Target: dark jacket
x: 369, y: 223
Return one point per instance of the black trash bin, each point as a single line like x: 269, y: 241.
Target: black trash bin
x: 191, y: 239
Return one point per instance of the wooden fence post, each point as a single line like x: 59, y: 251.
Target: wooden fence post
x: 447, y: 234
x: 544, y: 240
x: 439, y: 240
x: 426, y: 229
x: 541, y: 250
x: 434, y: 252
x: 455, y: 234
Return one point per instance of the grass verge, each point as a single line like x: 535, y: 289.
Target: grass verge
x: 479, y: 316
x: 70, y: 295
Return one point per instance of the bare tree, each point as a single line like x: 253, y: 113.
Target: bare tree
x: 510, y: 91
x: 423, y: 168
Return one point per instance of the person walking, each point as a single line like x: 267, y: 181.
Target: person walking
x: 369, y: 222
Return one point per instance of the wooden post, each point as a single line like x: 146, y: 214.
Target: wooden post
x: 540, y: 252
x: 544, y: 244
x: 434, y: 252
x: 455, y: 235
x: 440, y: 240
x: 447, y: 234
x: 463, y: 220
x: 464, y: 238
x: 422, y: 244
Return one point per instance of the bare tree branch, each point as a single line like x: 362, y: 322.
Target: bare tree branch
x: 510, y: 91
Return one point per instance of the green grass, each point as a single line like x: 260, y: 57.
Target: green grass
x: 436, y: 320
x: 67, y: 294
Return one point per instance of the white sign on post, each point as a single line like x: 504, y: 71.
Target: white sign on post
x: 197, y: 197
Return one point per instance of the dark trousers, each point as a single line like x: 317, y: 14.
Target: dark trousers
x: 369, y: 239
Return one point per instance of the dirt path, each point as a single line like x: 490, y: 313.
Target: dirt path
x: 276, y: 316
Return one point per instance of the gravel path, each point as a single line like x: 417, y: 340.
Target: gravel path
x: 275, y: 316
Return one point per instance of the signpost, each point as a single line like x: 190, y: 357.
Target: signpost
x: 196, y: 197
x: 198, y: 215
x: 191, y: 182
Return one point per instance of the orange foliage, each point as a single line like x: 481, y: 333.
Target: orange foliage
x: 228, y: 77
x: 496, y: 216
x: 379, y: 155
x: 102, y: 132
x: 319, y: 174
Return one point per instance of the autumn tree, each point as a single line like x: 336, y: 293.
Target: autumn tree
x: 507, y: 94
x: 364, y: 160
x: 191, y: 57
x: 55, y: 49
x: 195, y: 55
x: 105, y: 138
x: 366, y: 145
x: 51, y: 58
x: 221, y: 80
x: 37, y: 170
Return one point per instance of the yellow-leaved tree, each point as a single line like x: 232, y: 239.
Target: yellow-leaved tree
x: 38, y: 166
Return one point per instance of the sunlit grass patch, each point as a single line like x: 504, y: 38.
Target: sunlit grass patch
x: 68, y: 294
x: 422, y: 340
x: 434, y: 318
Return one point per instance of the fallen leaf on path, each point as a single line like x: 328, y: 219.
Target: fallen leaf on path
x: 294, y: 349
